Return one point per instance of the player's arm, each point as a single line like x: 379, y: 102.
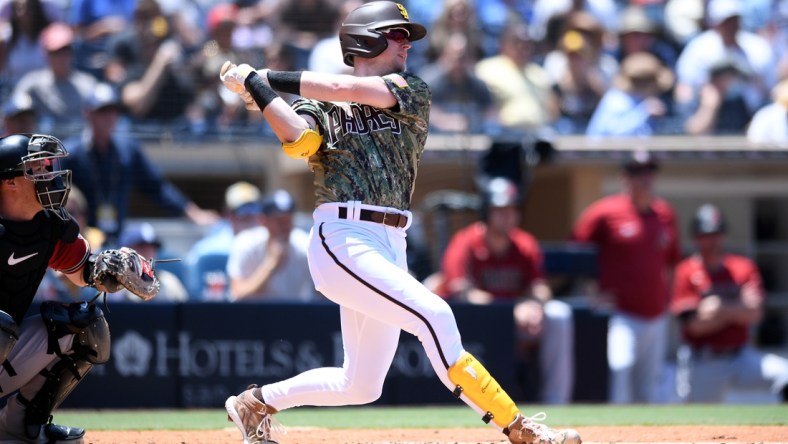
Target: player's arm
x: 371, y: 91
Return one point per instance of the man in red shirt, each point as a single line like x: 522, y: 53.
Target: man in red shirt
x: 494, y: 260
x: 636, y: 238
x: 718, y: 297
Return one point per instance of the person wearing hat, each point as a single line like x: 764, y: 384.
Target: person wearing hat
x: 268, y: 262
x: 718, y: 299
x: 19, y: 117
x: 241, y: 211
x: 637, y: 32
x: 721, y: 107
x: 108, y: 167
x: 142, y: 237
x: 725, y: 39
x: 494, y: 260
x: 769, y: 125
x: 637, y: 244
x: 58, y: 91
x: 635, y: 105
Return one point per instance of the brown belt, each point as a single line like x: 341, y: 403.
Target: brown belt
x: 391, y: 219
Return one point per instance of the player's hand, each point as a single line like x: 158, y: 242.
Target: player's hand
x: 233, y: 76
x: 529, y: 317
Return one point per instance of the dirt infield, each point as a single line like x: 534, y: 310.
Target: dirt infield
x: 656, y: 434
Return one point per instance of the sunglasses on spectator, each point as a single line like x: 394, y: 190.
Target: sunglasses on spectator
x: 398, y: 35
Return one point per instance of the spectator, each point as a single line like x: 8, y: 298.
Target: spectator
x: 637, y: 32
x: 493, y: 260
x: 456, y: 17
x: 147, y: 67
x: 215, y: 108
x: 684, y: 20
x: 769, y: 125
x: 326, y: 56
x: 718, y: 299
x: 461, y: 102
x: 601, y: 65
x: 241, y: 211
x: 721, y: 106
x: 580, y: 86
x: 603, y: 12
x: 725, y: 41
x: 142, y: 237
x: 19, y: 116
x: 268, y: 263
x: 124, y: 168
x: 520, y: 87
x: 637, y: 241
x: 636, y: 104
x: 96, y: 23
x: 58, y: 91
x: 21, y: 24
x: 302, y: 24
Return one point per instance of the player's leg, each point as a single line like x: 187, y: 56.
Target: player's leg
x: 621, y: 353
x: 556, y: 353
x: 365, y: 270
x: 46, y: 365
x: 651, y: 348
x: 369, y: 348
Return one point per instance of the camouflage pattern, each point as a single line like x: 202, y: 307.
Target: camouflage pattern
x: 370, y: 154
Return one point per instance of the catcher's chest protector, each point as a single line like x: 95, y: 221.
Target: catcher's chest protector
x: 25, y: 249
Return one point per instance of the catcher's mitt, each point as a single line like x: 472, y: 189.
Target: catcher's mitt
x: 115, y: 269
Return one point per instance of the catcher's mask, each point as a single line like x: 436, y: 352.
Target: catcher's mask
x: 37, y: 158
x: 363, y: 32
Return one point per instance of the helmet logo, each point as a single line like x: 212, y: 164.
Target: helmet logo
x: 403, y: 11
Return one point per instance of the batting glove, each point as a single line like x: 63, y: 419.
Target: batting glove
x: 234, y: 76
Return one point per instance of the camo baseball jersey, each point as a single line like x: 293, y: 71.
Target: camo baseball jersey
x: 370, y: 154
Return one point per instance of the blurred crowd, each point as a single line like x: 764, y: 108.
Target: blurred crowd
x: 595, y: 67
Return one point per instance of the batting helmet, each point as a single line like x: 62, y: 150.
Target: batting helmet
x: 360, y: 32
x: 37, y: 157
x: 708, y: 219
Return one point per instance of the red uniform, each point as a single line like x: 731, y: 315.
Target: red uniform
x: 635, y: 250
x: 507, y: 276
x: 693, y: 281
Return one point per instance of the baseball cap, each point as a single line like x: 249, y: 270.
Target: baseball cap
x: 57, y: 35
x: 139, y: 233
x: 639, y: 160
x: 240, y: 194
x: 102, y: 96
x: 221, y: 13
x: 280, y: 201
x: 18, y: 104
x: 708, y: 219
x: 718, y: 11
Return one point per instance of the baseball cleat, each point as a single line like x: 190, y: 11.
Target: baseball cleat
x: 251, y: 417
x: 524, y: 430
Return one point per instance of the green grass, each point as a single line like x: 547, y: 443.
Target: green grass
x: 434, y: 417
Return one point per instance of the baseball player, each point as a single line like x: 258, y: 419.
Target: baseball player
x: 363, y: 135
x: 718, y: 298
x: 44, y: 357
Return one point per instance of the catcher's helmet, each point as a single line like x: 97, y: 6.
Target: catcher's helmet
x: 360, y: 32
x: 708, y: 219
x: 37, y: 157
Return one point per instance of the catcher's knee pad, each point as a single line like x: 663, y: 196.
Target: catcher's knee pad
x: 476, y: 383
x: 59, y: 382
x: 84, y: 320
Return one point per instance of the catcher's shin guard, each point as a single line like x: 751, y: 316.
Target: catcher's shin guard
x: 476, y: 383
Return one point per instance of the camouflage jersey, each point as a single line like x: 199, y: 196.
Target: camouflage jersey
x: 370, y: 154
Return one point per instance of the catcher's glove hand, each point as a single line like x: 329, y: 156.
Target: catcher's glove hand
x: 115, y: 269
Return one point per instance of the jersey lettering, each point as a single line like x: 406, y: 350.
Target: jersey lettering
x: 358, y: 119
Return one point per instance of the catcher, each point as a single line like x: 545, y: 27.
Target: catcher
x: 44, y: 357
